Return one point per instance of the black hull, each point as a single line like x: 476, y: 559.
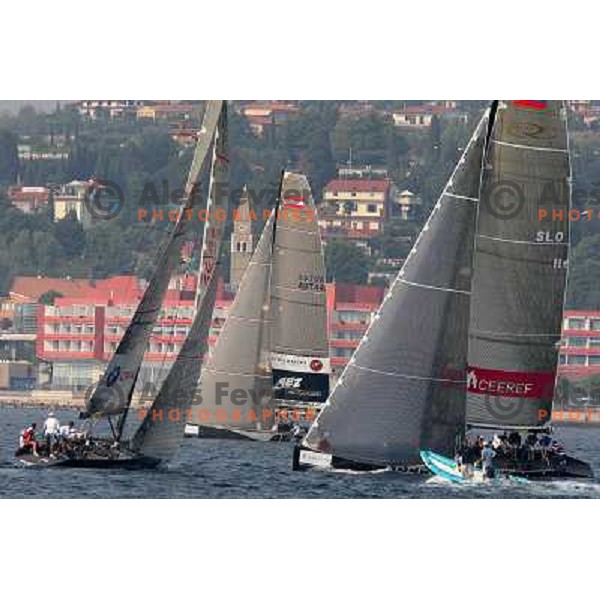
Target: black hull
x: 221, y: 433
x: 132, y: 463
x: 302, y: 461
x: 555, y: 467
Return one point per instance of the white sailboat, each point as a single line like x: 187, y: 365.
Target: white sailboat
x: 273, y: 350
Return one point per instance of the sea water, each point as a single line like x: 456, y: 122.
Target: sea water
x: 230, y: 469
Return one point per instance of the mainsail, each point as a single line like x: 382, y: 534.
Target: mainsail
x: 274, y: 342
x: 113, y: 393
x: 161, y: 431
x: 298, y: 337
x: 404, y: 388
x: 520, y: 267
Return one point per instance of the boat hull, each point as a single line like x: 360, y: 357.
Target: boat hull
x: 558, y: 467
x: 65, y: 462
x: 222, y: 433
x: 304, y: 459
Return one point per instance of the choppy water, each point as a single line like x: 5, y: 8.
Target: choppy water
x: 225, y: 469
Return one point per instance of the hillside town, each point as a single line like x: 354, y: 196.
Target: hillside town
x: 70, y: 283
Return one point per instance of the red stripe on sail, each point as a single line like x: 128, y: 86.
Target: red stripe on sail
x: 294, y: 202
x: 533, y: 104
x: 510, y: 384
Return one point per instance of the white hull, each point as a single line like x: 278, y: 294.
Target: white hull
x: 314, y: 460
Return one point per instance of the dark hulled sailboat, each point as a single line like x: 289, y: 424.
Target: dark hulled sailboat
x: 469, y: 331
x: 157, y: 440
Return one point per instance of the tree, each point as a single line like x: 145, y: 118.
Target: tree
x: 70, y: 235
x: 346, y: 263
x: 49, y: 297
x: 9, y: 157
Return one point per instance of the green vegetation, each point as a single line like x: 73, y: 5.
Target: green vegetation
x: 135, y: 153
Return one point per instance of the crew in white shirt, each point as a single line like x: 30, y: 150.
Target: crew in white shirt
x: 51, y: 431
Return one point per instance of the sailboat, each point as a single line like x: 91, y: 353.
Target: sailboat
x: 158, y: 437
x: 272, y: 355
x: 468, y: 334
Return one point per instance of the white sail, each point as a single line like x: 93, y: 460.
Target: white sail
x: 113, y: 392
x: 236, y: 382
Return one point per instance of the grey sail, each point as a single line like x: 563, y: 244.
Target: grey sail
x: 298, y: 337
x: 161, y: 430
x: 236, y: 382
x: 520, y: 267
x: 113, y: 393
x: 404, y: 388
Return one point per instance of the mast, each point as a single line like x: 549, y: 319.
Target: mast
x: 404, y: 388
x: 113, y: 394
x: 520, y: 267
x: 161, y: 430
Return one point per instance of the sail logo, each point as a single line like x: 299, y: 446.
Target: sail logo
x: 316, y: 365
x: 113, y: 376
x: 288, y: 383
x: 299, y: 364
x: 510, y: 384
x: 293, y: 200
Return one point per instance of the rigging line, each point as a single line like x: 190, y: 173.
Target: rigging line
x: 244, y: 319
x: 278, y: 246
x: 523, y: 242
x: 305, y: 352
x: 300, y: 231
x: 301, y: 302
x: 507, y: 333
x: 433, y: 287
x: 291, y: 289
x: 536, y: 148
x: 404, y: 376
x: 460, y: 197
x: 237, y: 373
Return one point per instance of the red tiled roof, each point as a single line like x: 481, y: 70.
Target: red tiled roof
x: 16, y: 194
x: 34, y: 287
x: 358, y: 185
x: 348, y: 293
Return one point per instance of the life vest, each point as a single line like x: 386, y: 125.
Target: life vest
x: 28, y: 436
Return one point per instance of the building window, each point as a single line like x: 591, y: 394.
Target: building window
x: 576, y: 359
x: 594, y: 360
x: 578, y: 342
x: 576, y: 324
x: 594, y: 343
x: 595, y: 324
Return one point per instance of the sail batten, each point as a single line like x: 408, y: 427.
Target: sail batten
x: 520, y: 268
x: 161, y: 431
x: 235, y: 362
x: 404, y: 388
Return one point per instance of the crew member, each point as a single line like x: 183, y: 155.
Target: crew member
x: 27, y: 442
x: 487, y: 460
x: 51, y: 430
